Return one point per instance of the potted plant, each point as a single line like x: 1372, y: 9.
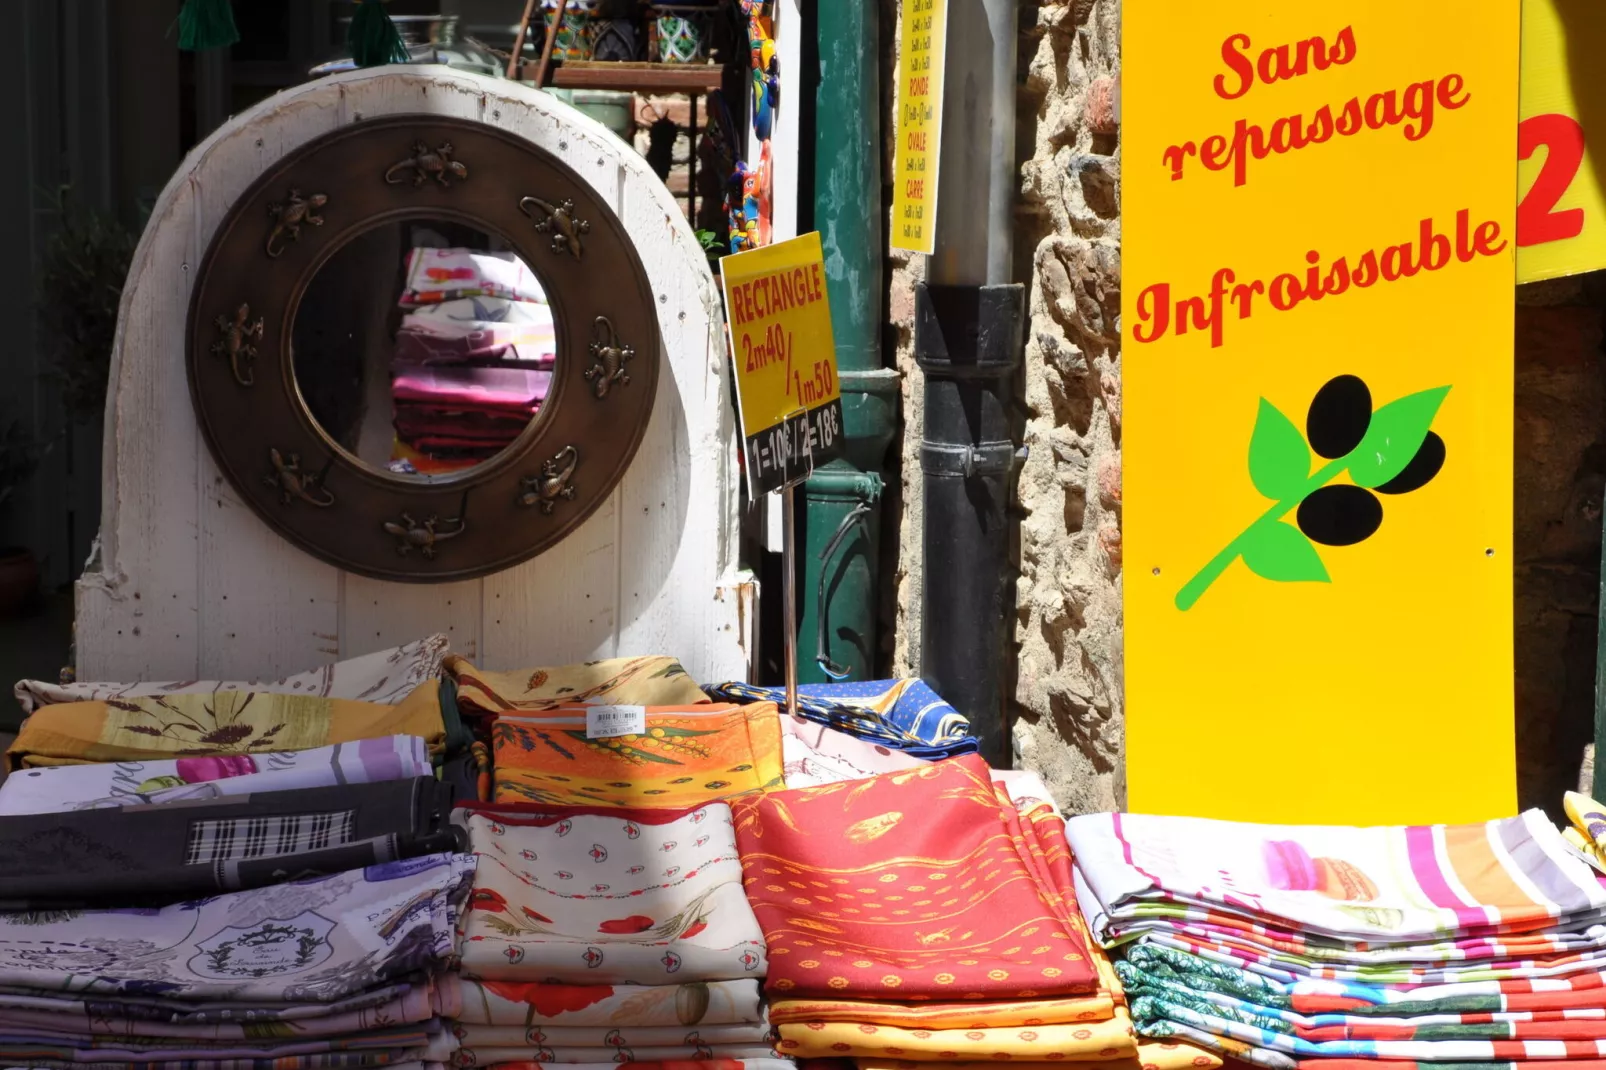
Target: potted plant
x: 20, y: 455
x: 80, y: 286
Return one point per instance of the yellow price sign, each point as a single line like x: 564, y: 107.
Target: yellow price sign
x: 922, y: 40
x: 1561, y: 216
x: 1317, y: 409
x: 788, y: 398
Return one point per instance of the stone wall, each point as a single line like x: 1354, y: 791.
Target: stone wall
x: 1560, y: 473
x: 1066, y: 682
x: 1068, y: 691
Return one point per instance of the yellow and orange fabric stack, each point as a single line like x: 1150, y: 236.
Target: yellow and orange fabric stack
x: 685, y: 752
x: 920, y: 916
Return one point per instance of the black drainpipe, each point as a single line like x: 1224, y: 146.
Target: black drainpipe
x: 969, y: 323
x: 968, y: 343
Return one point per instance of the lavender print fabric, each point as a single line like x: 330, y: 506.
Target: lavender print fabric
x: 307, y: 941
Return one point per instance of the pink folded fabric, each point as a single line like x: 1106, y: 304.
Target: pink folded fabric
x: 491, y: 389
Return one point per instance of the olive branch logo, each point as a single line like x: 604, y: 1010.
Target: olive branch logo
x: 1390, y: 451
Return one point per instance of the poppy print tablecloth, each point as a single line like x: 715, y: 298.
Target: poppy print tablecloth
x: 600, y: 897
x: 677, y: 1006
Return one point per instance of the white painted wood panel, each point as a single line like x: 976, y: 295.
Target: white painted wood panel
x: 189, y: 583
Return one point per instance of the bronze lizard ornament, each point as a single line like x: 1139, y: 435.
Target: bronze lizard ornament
x: 427, y: 163
x: 240, y: 335
x: 292, y: 483
x: 410, y: 533
x: 608, y: 358
x: 560, y: 221
x: 553, y: 482
x: 289, y: 217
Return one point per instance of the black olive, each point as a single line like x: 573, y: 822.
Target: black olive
x: 1423, y: 467
x: 1339, y: 416
x: 1340, y: 515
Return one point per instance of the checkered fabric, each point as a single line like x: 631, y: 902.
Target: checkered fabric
x: 244, y: 838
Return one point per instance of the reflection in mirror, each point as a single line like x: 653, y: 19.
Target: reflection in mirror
x: 423, y: 347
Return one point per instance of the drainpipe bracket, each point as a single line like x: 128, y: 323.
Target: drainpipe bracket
x: 969, y: 332
x: 969, y: 460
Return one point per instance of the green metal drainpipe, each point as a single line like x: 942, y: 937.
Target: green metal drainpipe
x: 842, y: 501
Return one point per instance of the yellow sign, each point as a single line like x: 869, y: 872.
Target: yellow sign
x: 1318, y: 263
x: 922, y: 41
x: 1561, y: 216
x: 785, y: 359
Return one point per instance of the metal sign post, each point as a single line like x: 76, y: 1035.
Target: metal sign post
x: 798, y: 417
x: 789, y: 598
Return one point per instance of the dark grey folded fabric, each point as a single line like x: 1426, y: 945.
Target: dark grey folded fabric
x: 139, y: 855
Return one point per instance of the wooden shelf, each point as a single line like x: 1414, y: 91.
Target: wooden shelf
x: 636, y: 77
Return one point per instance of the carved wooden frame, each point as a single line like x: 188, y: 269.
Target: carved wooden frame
x: 288, y: 469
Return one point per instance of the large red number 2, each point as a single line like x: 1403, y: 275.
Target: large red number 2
x: 1563, y: 140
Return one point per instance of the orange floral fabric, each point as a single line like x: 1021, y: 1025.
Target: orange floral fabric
x: 688, y: 756
x: 643, y: 681
x: 916, y: 885
x: 1151, y: 1055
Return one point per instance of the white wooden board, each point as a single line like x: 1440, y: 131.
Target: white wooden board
x: 190, y: 584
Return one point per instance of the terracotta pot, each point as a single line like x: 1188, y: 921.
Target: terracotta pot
x: 19, y: 581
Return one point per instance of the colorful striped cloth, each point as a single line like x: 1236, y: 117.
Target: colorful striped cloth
x: 1359, y: 887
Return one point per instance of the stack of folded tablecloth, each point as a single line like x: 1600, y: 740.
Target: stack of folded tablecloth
x: 141, y: 853
x: 605, y: 935
x: 473, y: 357
x: 339, y: 971
x: 1471, y: 945
x: 923, y: 916
x: 57, y: 788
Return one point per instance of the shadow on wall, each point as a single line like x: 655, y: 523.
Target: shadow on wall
x: 1560, y: 471
x: 1585, y: 23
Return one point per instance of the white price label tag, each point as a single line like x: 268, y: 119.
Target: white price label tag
x: 604, y: 722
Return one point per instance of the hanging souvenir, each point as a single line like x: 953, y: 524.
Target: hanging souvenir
x: 766, y: 66
x: 750, y: 220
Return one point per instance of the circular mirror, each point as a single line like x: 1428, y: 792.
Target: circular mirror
x: 424, y: 348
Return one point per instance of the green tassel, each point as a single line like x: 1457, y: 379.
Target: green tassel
x: 206, y: 24
x: 373, y: 38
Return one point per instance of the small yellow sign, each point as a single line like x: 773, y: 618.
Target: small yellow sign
x: 922, y: 40
x: 1317, y: 271
x: 785, y: 359
x: 1561, y: 215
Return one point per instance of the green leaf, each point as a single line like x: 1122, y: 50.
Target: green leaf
x: 1279, y: 552
x: 1395, y: 434
x: 1279, y: 460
